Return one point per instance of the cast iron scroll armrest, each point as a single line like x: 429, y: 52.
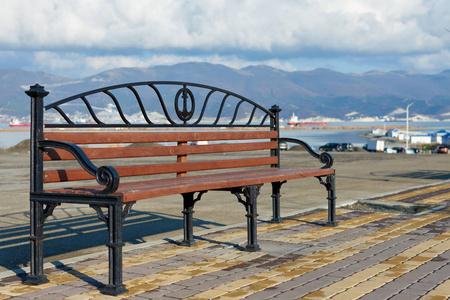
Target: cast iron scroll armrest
x: 324, y: 157
x: 105, y: 175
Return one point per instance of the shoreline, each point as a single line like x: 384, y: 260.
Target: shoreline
x: 281, y: 127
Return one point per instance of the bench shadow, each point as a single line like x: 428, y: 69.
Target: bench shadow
x: 79, y: 231
x: 236, y: 246
x: 319, y: 223
x: 419, y: 174
x: 60, y: 266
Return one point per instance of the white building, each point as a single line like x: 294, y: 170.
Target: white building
x: 446, y: 139
x: 393, y: 133
x: 420, y: 139
x: 378, y: 131
x: 439, y: 136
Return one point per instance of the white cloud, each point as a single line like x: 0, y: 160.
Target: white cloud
x: 102, y: 33
x: 258, y: 25
x: 428, y: 62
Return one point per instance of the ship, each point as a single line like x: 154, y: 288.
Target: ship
x: 293, y: 121
x: 314, y: 123
x: 17, y: 123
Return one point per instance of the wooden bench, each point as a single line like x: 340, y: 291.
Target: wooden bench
x: 154, y: 154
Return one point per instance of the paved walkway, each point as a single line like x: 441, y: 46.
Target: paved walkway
x: 370, y: 255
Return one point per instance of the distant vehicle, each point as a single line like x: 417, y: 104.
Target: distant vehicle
x: 331, y: 147
x: 283, y: 146
x: 199, y: 143
x: 374, y: 146
x: 410, y: 151
x: 399, y: 149
x: 347, y: 146
x: 441, y: 149
x: 416, y: 150
x: 390, y: 150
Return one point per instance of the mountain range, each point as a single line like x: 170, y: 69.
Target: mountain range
x: 319, y: 92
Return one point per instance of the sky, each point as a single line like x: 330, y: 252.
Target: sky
x: 80, y: 38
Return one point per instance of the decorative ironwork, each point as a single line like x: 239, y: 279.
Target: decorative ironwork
x: 48, y: 211
x: 105, y: 175
x: 324, y: 157
x: 250, y: 193
x: 188, y: 217
x: 185, y: 114
x: 276, y: 195
x: 329, y: 184
x: 191, y: 103
x: 101, y: 215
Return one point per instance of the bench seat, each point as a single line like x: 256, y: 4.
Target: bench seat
x: 133, y: 191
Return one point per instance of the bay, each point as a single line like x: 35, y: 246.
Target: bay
x: 314, y: 137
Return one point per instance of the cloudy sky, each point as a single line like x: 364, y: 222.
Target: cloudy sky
x: 84, y: 37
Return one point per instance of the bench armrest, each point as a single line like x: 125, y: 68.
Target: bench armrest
x: 105, y: 175
x: 324, y: 157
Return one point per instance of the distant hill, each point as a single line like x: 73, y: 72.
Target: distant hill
x: 319, y: 92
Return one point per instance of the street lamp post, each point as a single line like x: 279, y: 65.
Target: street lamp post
x: 407, y: 125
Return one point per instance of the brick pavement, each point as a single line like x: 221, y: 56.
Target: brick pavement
x: 370, y: 255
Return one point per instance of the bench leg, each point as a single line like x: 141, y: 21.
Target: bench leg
x: 37, y: 244
x: 276, y: 195
x: 188, y: 218
x: 331, y: 188
x: 188, y: 211
x: 251, y: 194
x: 115, y: 224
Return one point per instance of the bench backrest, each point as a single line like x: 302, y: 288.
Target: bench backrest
x: 182, y: 144
x: 174, y: 117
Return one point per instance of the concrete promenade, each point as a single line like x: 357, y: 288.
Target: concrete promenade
x: 379, y: 254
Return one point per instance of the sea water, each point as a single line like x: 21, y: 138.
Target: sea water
x: 314, y: 137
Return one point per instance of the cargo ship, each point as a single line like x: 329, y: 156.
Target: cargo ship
x: 293, y: 120
x: 17, y: 123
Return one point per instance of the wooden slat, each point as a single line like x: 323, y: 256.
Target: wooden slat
x: 140, y: 170
x: 134, y: 191
x: 156, y: 137
x: 182, y: 158
x: 129, y: 152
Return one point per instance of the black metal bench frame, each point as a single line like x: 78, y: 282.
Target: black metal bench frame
x: 42, y: 204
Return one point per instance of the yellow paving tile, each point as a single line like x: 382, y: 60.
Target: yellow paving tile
x: 286, y: 224
x: 150, y: 282
x: 416, y: 193
x: 435, y: 199
x: 353, y: 293
x: 358, y: 284
x: 327, y: 231
x: 442, y: 291
x: 210, y: 294
x: 315, y: 295
x: 371, y: 284
x: 142, y: 258
x: 164, y: 279
x: 20, y: 289
x: 77, y: 297
x: 101, y: 268
x: 309, y: 263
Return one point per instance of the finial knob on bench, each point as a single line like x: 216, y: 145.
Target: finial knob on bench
x: 36, y: 91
